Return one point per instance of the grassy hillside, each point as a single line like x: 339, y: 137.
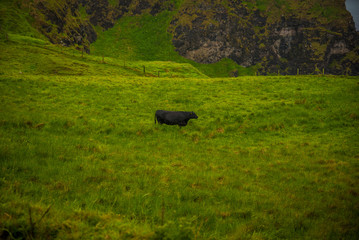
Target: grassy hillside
x: 27, y: 55
x: 268, y: 157
x: 14, y: 20
x: 145, y: 37
x: 138, y: 38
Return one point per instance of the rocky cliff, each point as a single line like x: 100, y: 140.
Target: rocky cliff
x: 289, y: 37
x: 271, y: 35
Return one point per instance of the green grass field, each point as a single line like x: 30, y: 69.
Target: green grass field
x: 268, y: 157
x: 81, y: 157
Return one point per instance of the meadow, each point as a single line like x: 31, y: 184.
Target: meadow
x: 270, y: 157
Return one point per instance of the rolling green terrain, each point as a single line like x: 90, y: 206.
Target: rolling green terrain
x: 27, y: 55
x: 81, y: 156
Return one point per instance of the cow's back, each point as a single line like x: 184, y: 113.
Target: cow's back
x: 160, y: 112
x: 175, y: 117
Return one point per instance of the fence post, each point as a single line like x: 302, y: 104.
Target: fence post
x: 144, y: 70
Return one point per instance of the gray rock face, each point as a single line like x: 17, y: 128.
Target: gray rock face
x: 224, y: 35
x: 208, y: 32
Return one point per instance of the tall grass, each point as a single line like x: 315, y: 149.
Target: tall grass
x: 268, y: 157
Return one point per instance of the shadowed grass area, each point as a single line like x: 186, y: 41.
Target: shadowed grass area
x: 268, y: 157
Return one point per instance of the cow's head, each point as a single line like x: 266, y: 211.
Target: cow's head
x: 193, y: 115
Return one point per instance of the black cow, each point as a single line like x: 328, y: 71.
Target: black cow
x: 174, y: 118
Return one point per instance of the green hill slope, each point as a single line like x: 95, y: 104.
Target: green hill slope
x: 27, y: 55
x: 145, y: 37
x: 15, y: 20
x: 138, y: 38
